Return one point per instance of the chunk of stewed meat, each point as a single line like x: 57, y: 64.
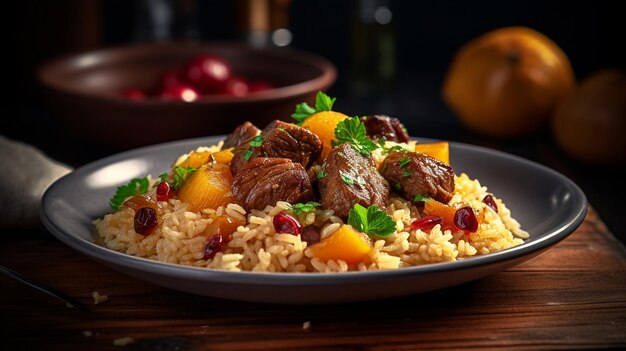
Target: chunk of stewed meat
x: 281, y: 140
x: 240, y: 135
x: 350, y: 178
x: 311, y: 234
x: 381, y: 126
x: 264, y: 181
x: 411, y: 174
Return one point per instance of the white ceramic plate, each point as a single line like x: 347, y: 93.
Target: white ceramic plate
x: 549, y: 206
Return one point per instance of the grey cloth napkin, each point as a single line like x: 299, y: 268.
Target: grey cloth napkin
x: 24, y: 176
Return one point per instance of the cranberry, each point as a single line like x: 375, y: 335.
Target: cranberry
x: 259, y: 86
x: 427, y: 222
x: 213, y: 246
x: 181, y: 91
x: 145, y: 220
x: 207, y: 73
x: 465, y: 219
x: 163, y: 191
x: 236, y: 87
x: 489, y: 201
x: 133, y: 94
x: 169, y: 79
x: 284, y: 223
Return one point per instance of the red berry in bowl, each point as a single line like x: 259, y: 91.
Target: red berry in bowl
x: 259, y: 86
x: 236, y: 87
x: 208, y: 73
x: 169, y: 79
x: 133, y: 94
x: 181, y: 91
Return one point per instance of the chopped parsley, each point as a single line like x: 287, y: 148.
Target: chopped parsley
x: 371, y: 221
x: 397, y: 186
x: 420, y: 197
x: 300, y: 208
x: 404, y: 161
x: 321, y: 174
x: 352, y: 131
x: 346, y: 178
x: 382, y: 143
x: 180, y: 176
x: 136, y: 186
x: 303, y: 111
x: 254, y: 143
x: 406, y: 174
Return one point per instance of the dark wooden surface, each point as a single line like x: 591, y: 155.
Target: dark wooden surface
x: 571, y: 297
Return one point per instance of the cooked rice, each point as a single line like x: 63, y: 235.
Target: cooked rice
x: 180, y: 238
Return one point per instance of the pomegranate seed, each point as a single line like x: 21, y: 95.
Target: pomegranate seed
x: 464, y: 218
x: 427, y: 222
x: 213, y: 246
x: 145, y: 220
x: 489, y: 201
x: 284, y: 223
x: 163, y: 191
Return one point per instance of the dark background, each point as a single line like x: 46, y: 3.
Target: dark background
x: 423, y: 35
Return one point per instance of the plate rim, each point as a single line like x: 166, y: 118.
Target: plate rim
x: 102, y: 253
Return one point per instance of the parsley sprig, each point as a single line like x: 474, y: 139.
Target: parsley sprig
x: 371, y: 221
x: 178, y: 176
x: 301, y: 208
x: 352, y: 131
x: 303, y: 111
x: 136, y: 186
x: 254, y: 143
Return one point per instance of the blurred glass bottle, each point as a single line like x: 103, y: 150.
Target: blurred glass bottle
x: 160, y: 20
x: 264, y: 22
x: 373, y: 55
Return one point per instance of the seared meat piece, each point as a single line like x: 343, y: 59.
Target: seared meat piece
x: 411, y: 173
x: 351, y: 178
x: 380, y: 126
x: 311, y: 234
x: 263, y: 181
x: 282, y: 140
x: 240, y: 135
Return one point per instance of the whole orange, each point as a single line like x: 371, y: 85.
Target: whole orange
x: 506, y: 83
x: 590, y: 124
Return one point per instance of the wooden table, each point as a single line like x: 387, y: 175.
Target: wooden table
x: 571, y: 297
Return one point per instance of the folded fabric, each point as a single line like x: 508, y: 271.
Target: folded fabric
x: 26, y: 173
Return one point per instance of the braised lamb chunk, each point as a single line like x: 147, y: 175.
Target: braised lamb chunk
x: 263, y: 181
x: 411, y: 174
x: 240, y: 135
x: 381, y: 126
x: 348, y: 178
x: 279, y: 139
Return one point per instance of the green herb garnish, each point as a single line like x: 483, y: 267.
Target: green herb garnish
x: 136, y: 186
x: 386, y: 150
x: 420, y: 197
x: 352, y: 131
x: 404, y: 161
x: 180, y: 176
x: 303, y: 111
x: 254, y: 143
x: 346, y: 178
x: 321, y: 174
x: 406, y: 174
x: 301, y: 208
x: 397, y: 186
x: 371, y: 221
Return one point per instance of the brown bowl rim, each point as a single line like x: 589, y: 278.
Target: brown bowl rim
x: 327, y: 78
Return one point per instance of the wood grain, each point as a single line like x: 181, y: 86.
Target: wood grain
x: 571, y: 297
